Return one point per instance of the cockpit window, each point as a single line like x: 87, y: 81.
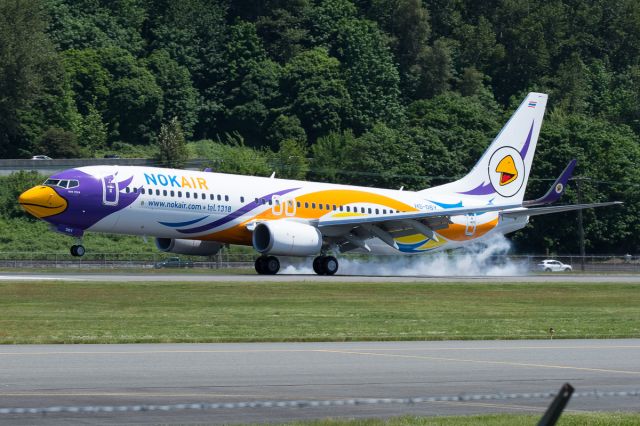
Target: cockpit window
x: 65, y: 183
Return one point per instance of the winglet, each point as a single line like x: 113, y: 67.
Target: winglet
x: 557, y: 189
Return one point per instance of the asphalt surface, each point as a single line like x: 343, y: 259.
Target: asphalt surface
x: 104, y: 375
x: 203, y: 277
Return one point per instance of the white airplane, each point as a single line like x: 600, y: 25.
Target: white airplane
x: 196, y: 213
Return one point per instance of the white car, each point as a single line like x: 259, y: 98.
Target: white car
x: 549, y: 265
x: 41, y: 157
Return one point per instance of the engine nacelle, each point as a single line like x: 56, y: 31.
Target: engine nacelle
x: 287, y: 238
x: 192, y: 247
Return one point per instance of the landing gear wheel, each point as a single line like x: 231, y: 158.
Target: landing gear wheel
x: 325, y: 265
x: 260, y: 265
x: 77, y: 250
x: 317, y: 265
x: 329, y: 265
x: 267, y: 265
x: 272, y: 265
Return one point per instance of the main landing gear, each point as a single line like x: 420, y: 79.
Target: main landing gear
x: 267, y: 265
x: 322, y: 265
x: 325, y: 265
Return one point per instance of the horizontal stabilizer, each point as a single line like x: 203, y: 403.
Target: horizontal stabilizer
x: 557, y: 189
x: 523, y: 211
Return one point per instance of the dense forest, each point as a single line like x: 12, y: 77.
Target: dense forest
x: 383, y: 93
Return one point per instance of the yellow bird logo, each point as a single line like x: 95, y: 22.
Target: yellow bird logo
x: 507, y: 169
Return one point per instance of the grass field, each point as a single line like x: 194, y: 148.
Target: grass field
x: 69, y: 312
x: 567, y: 419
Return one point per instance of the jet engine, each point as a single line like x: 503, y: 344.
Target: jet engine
x: 192, y: 247
x: 287, y: 238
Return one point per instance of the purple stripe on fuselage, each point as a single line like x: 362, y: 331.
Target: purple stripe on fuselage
x: 241, y: 211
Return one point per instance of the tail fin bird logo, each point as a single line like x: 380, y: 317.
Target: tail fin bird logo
x: 507, y: 169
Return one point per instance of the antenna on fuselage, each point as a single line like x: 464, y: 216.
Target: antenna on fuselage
x: 273, y: 175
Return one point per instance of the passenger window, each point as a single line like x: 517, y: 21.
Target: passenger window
x: 334, y: 207
x: 320, y: 206
x: 142, y: 191
x: 204, y: 196
x: 164, y: 192
x: 298, y: 203
x: 369, y: 210
x: 327, y: 206
x: 226, y: 198
x: 157, y: 192
x: 127, y: 190
x: 173, y: 194
x: 242, y: 199
x: 384, y: 211
x: 377, y: 211
x: 306, y: 205
x: 340, y: 208
x: 179, y: 194
x: 187, y: 194
x: 135, y: 190
x: 313, y: 205
x: 256, y: 201
x: 348, y: 209
x: 219, y: 197
x: 270, y: 202
x: 361, y: 209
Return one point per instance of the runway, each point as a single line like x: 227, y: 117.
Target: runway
x: 79, y: 375
x: 119, y: 276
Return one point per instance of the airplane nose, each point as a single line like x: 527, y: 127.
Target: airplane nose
x: 42, y: 201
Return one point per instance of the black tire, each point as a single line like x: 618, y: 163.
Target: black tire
x: 73, y: 251
x: 317, y: 265
x: 547, y: 269
x: 80, y: 250
x: 272, y: 265
x: 329, y: 265
x: 260, y: 265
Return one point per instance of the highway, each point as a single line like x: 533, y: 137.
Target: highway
x: 108, y: 375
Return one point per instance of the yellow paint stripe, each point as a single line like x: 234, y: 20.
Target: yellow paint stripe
x: 475, y: 361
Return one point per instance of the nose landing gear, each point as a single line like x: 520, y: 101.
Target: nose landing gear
x: 77, y: 250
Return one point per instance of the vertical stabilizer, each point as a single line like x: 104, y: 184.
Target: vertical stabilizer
x: 503, y: 170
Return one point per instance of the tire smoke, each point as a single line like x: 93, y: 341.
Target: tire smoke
x: 487, y: 258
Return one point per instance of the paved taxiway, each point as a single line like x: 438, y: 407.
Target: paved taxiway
x: 203, y: 277
x: 62, y: 375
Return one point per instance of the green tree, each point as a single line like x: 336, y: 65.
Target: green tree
x: 290, y: 162
x: 286, y: 127
x: 317, y: 92
x: 179, y: 97
x: 372, y: 78
x: 59, y: 143
x: 329, y: 161
x: 93, y: 132
x: 230, y: 155
x: 386, y: 158
x: 10, y: 189
x: 33, y: 91
x: 172, y: 148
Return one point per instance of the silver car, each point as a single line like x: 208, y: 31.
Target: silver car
x: 550, y: 265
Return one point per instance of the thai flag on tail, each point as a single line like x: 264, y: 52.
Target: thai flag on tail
x: 532, y: 104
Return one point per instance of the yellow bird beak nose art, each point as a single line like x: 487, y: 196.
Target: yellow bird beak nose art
x: 507, y: 169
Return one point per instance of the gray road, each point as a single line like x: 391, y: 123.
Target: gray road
x: 203, y: 277
x: 55, y: 375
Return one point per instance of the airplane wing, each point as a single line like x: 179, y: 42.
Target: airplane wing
x: 525, y: 211
x: 352, y: 232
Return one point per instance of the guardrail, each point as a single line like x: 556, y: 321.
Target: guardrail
x: 225, y: 259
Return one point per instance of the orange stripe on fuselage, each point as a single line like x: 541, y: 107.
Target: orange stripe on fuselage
x: 238, y: 234
x: 456, y: 232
